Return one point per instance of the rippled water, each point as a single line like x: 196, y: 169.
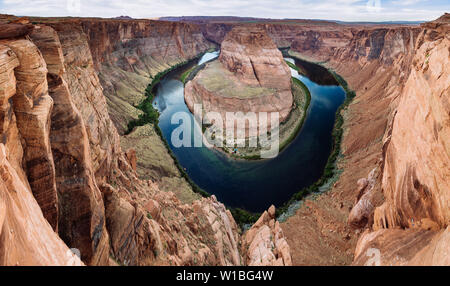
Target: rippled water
x: 255, y: 185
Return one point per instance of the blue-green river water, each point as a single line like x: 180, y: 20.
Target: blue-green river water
x: 255, y: 185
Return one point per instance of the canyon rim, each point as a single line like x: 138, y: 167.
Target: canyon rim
x: 90, y: 176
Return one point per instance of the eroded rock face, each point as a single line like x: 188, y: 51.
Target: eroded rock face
x: 415, y: 179
x: 130, y: 219
x: 14, y: 30
x: 128, y: 54
x: 265, y: 244
x: 253, y: 57
x: 400, y: 77
x: 137, y: 238
x: 88, y: 98
x: 362, y: 212
x: 81, y: 221
x: 32, y: 108
x: 26, y: 237
x: 229, y: 95
x: 377, y: 63
x: 416, y: 162
x: 250, y: 76
x: 151, y: 227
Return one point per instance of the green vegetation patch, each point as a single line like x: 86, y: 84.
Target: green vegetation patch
x: 337, y: 134
x: 289, y: 129
x: 186, y: 74
x: 151, y: 116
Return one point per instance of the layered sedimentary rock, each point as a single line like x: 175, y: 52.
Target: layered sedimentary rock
x: 400, y: 78
x: 136, y: 239
x: 126, y: 56
x: 26, y: 236
x: 151, y: 227
x: 255, y: 60
x: 416, y: 162
x: 386, y: 60
x: 265, y: 244
x: 32, y: 108
x: 81, y: 222
x: 250, y: 76
x: 282, y: 32
x: 415, y: 178
x: 376, y: 62
x: 87, y: 96
x: 130, y: 54
x: 105, y: 210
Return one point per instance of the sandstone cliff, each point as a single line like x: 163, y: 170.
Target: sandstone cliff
x: 129, y: 54
x: 66, y: 180
x: 392, y: 71
x: 282, y: 32
x: 416, y: 162
x: 265, y: 244
x: 382, y: 64
x: 28, y: 199
x: 69, y: 168
x: 250, y: 76
x: 254, y: 58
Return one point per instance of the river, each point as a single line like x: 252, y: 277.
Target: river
x: 255, y: 185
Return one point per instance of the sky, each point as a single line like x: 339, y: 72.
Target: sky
x: 344, y: 10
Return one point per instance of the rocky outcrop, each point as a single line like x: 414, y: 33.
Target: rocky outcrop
x: 129, y: 54
x: 255, y: 60
x: 219, y: 90
x: 376, y: 62
x: 50, y: 89
x: 265, y: 244
x: 250, y: 76
x: 81, y: 222
x: 87, y: 96
x: 126, y: 218
x: 14, y: 30
x: 112, y: 62
x: 32, y: 107
x: 282, y: 32
x: 415, y: 178
x: 416, y: 162
x: 26, y: 237
x: 362, y: 212
x: 151, y: 227
x: 395, y: 247
x: 136, y: 238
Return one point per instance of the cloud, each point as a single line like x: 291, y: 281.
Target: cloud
x: 347, y: 10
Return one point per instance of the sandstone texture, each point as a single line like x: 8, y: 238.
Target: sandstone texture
x: 376, y: 61
x: 402, y: 212
x: 265, y: 243
x: 28, y: 198
x: 67, y: 182
x: 113, y: 62
x: 250, y: 76
x: 26, y: 237
x: 129, y: 54
x: 81, y: 223
x: 62, y: 164
x: 416, y: 162
x: 254, y: 58
x: 32, y: 106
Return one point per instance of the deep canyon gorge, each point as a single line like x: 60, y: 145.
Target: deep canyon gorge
x: 75, y: 175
